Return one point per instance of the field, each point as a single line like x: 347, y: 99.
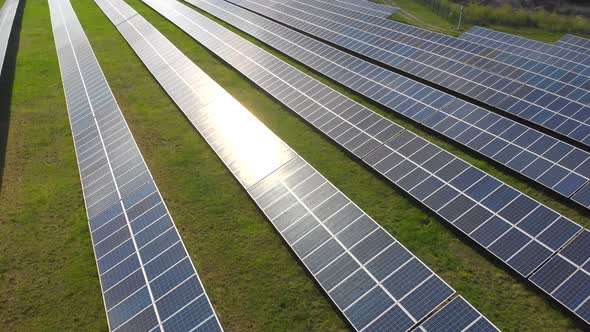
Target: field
x: 48, y: 276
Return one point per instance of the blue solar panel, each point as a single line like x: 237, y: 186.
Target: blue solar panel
x: 147, y: 278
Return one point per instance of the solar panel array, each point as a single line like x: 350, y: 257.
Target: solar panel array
x: 7, y: 14
x: 512, y: 226
x: 566, y: 277
x: 567, y: 116
x: 574, y: 43
x: 147, y: 279
x: 371, y: 277
x: 554, y: 164
x: 528, y: 48
x: 457, y: 315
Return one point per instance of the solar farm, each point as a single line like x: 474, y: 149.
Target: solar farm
x: 288, y: 165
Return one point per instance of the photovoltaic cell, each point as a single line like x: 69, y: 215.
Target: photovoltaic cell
x: 539, y: 100
x: 146, y: 276
x: 558, y: 166
x: 7, y: 14
x: 336, y: 241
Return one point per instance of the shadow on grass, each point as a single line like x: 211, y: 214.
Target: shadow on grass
x: 6, y: 82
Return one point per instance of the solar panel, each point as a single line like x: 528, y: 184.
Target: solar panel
x: 7, y: 14
x: 574, y: 43
x: 457, y: 315
x: 517, y: 46
x: 365, y: 271
x: 566, y: 277
x: 510, y: 41
x: 368, y: 7
x: 561, y: 115
x: 554, y: 164
x: 518, y: 230
x: 147, y: 279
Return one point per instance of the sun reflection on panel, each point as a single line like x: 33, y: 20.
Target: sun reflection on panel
x: 247, y: 146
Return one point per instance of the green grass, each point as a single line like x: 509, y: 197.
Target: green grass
x: 48, y: 277
x: 47, y: 272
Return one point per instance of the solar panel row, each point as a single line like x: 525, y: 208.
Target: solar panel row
x: 486, y: 37
x: 574, y: 43
x: 557, y: 165
x: 7, y: 14
x: 148, y: 280
x: 531, y: 45
x: 567, y: 117
x: 521, y: 69
x: 367, y: 7
x: 370, y: 276
x: 443, y: 176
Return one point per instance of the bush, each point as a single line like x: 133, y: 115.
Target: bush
x: 474, y: 13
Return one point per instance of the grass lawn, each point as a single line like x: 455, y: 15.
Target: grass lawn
x: 47, y: 272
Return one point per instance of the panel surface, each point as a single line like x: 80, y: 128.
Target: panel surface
x: 147, y: 278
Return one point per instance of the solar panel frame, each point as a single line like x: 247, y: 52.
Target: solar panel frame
x: 7, y: 15
x: 293, y: 185
x: 436, y: 110
x: 475, y: 83
x: 234, y: 49
x: 141, y: 259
